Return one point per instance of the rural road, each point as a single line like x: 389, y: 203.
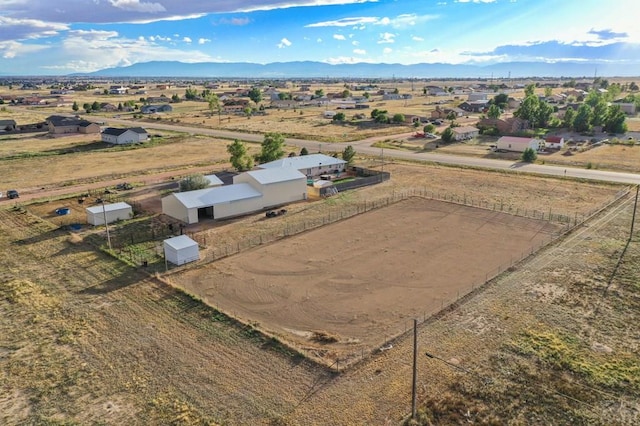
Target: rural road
x: 364, y: 147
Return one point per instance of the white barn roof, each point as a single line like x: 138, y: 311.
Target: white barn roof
x: 108, y: 207
x: 284, y: 174
x: 180, y: 242
x: 218, y: 195
x: 303, y: 162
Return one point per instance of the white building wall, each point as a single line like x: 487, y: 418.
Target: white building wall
x: 279, y: 193
x: 97, y: 218
x: 174, y: 208
x: 181, y: 256
x: 236, y: 208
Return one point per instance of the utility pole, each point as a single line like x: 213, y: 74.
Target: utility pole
x: 106, y: 226
x: 415, y: 369
x: 633, y: 218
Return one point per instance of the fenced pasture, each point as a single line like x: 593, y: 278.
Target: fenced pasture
x: 359, y: 282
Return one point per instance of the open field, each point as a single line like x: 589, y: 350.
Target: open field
x: 365, y: 278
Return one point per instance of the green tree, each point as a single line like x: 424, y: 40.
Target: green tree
x: 175, y: 98
x: 543, y: 114
x: 529, y: 90
x: 398, y: 118
x: 377, y: 112
x: 501, y: 100
x: 633, y: 86
x: 447, y: 135
x: 615, y: 122
x: 339, y: 117
x: 214, y: 103
x: 528, y: 109
x: 95, y: 106
x: 319, y: 93
x: 348, y: 154
x: 120, y: 107
x: 529, y: 155
x: 600, y: 111
x: 86, y: 107
x: 494, y: 111
x: 190, y: 94
x: 346, y: 93
x: 382, y: 118
x: 271, y: 148
x: 255, y: 95
x: 548, y: 91
x: 239, y: 159
x: 304, y: 151
x: 582, y: 121
x: 569, y: 116
x: 193, y: 182
x: 429, y: 128
x: 75, y: 106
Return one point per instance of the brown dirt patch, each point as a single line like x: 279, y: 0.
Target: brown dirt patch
x: 361, y: 281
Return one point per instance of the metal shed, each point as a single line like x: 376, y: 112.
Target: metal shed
x: 112, y: 212
x: 180, y: 250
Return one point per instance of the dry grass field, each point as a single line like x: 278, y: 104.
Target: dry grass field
x: 88, y: 339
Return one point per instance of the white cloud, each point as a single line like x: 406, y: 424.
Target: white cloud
x: 21, y: 29
x: 13, y: 49
x: 137, y: 6
x: 319, y: 40
x: 346, y: 60
x: 400, y: 21
x: 355, y: 42
x: 187, y: 40
x: 339, y: 37
x: 416, y: 38
x: 359, y: 51
x: 387, y: 38
x: 284, y: 43
x: 203, y: 40
x: 387, y: 50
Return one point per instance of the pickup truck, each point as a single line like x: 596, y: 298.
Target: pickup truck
x: 12, y: 193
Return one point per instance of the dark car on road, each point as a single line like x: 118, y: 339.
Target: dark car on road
x: 12, y: 193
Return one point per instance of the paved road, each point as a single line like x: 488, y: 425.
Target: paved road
x: 364, y: 147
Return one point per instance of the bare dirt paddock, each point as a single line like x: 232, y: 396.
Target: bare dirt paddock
x: 364, y: 279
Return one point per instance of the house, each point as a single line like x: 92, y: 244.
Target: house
x: 518, y: 144
x: 284, y: 103
x: 554, y: 142
x: 447, y: 112
x: 60, y: 124
x: 250, y: 192
x: 343, y: 103
x: 474, y: 106
x: 309, y: 165
x: 180, y: 250
x: 8, y: 125
x: 96, y: 215
x: 124, y: 136
x: 152, y: 109
x: 628, y: 108
x: 477, y: 96
x: 464, y: 133
x: 391, y: 97
x: 505, y: 126
x: 118, y: 90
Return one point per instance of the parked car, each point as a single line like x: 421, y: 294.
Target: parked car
x: 12, y: 193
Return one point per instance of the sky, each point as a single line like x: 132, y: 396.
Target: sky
x: 45, y: 37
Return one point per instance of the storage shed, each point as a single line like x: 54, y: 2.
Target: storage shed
x: 518, y: 144
x: 180, y: 250
x: 113, y: 212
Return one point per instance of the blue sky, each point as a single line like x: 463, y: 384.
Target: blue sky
x: 44, y: 37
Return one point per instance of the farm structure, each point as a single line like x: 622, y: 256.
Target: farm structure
x: 60, y: 124
x: 180, y: 250
x: 113, y: 212
x: 554, y: 142
x: 124, y: 136
x: 310, y: 165
x: 251, y: 191
x: 517, y: 144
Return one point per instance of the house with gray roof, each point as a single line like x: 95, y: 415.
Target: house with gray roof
x: 124, y: 136
x: 310, y: 165
x: 60, y: 124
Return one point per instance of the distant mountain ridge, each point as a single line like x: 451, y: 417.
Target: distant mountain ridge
x: 310, y: 69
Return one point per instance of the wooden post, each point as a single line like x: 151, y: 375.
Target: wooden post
x: 415, y: 369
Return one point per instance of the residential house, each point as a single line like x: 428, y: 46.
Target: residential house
x: 7, y: 125
x: 447, y: 112
x: 310, y: 165
x: 59, y: 124
x: 465, y: 132
x: 391, y: 97
x: 124, y: 136
x: 511, y: 125
x: 152, y: 109
x: 477, y: 96
x: 285, y: 103
x: 628, y: 108
x: 474, y: 106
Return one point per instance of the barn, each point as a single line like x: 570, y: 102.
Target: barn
x: 112, y: 212
x: 518, y: 144
x: 213, y: 203
x: 309, y: 165
x: 277, y: 186
x: 180, y: 250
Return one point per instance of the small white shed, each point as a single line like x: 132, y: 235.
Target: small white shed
x: 180, y: 250
x: 113, y: 212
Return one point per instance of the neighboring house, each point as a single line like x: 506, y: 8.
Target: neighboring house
x: 628, y: 108
x: 477, y: 96
x: 59, y: 124
x: 391, y: 97
x: 474, y: 106
x: 152, y: 109
x: 505, y: 126
x: 124, y: 136
x: 251, y: 192
x: 554, y: 142
x: 284, y: 103
x: 465, y: 132
x: 118, y: 90
x: 343, y: 103
x: 444, y: 113
x: 517, y: 144
x: 436, y: 91
x: 8, y: 125
x: 310, y: 165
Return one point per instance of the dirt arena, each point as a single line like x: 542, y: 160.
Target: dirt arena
x: 364, y: 279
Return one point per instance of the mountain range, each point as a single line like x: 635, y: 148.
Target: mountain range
x: 310, y: 69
